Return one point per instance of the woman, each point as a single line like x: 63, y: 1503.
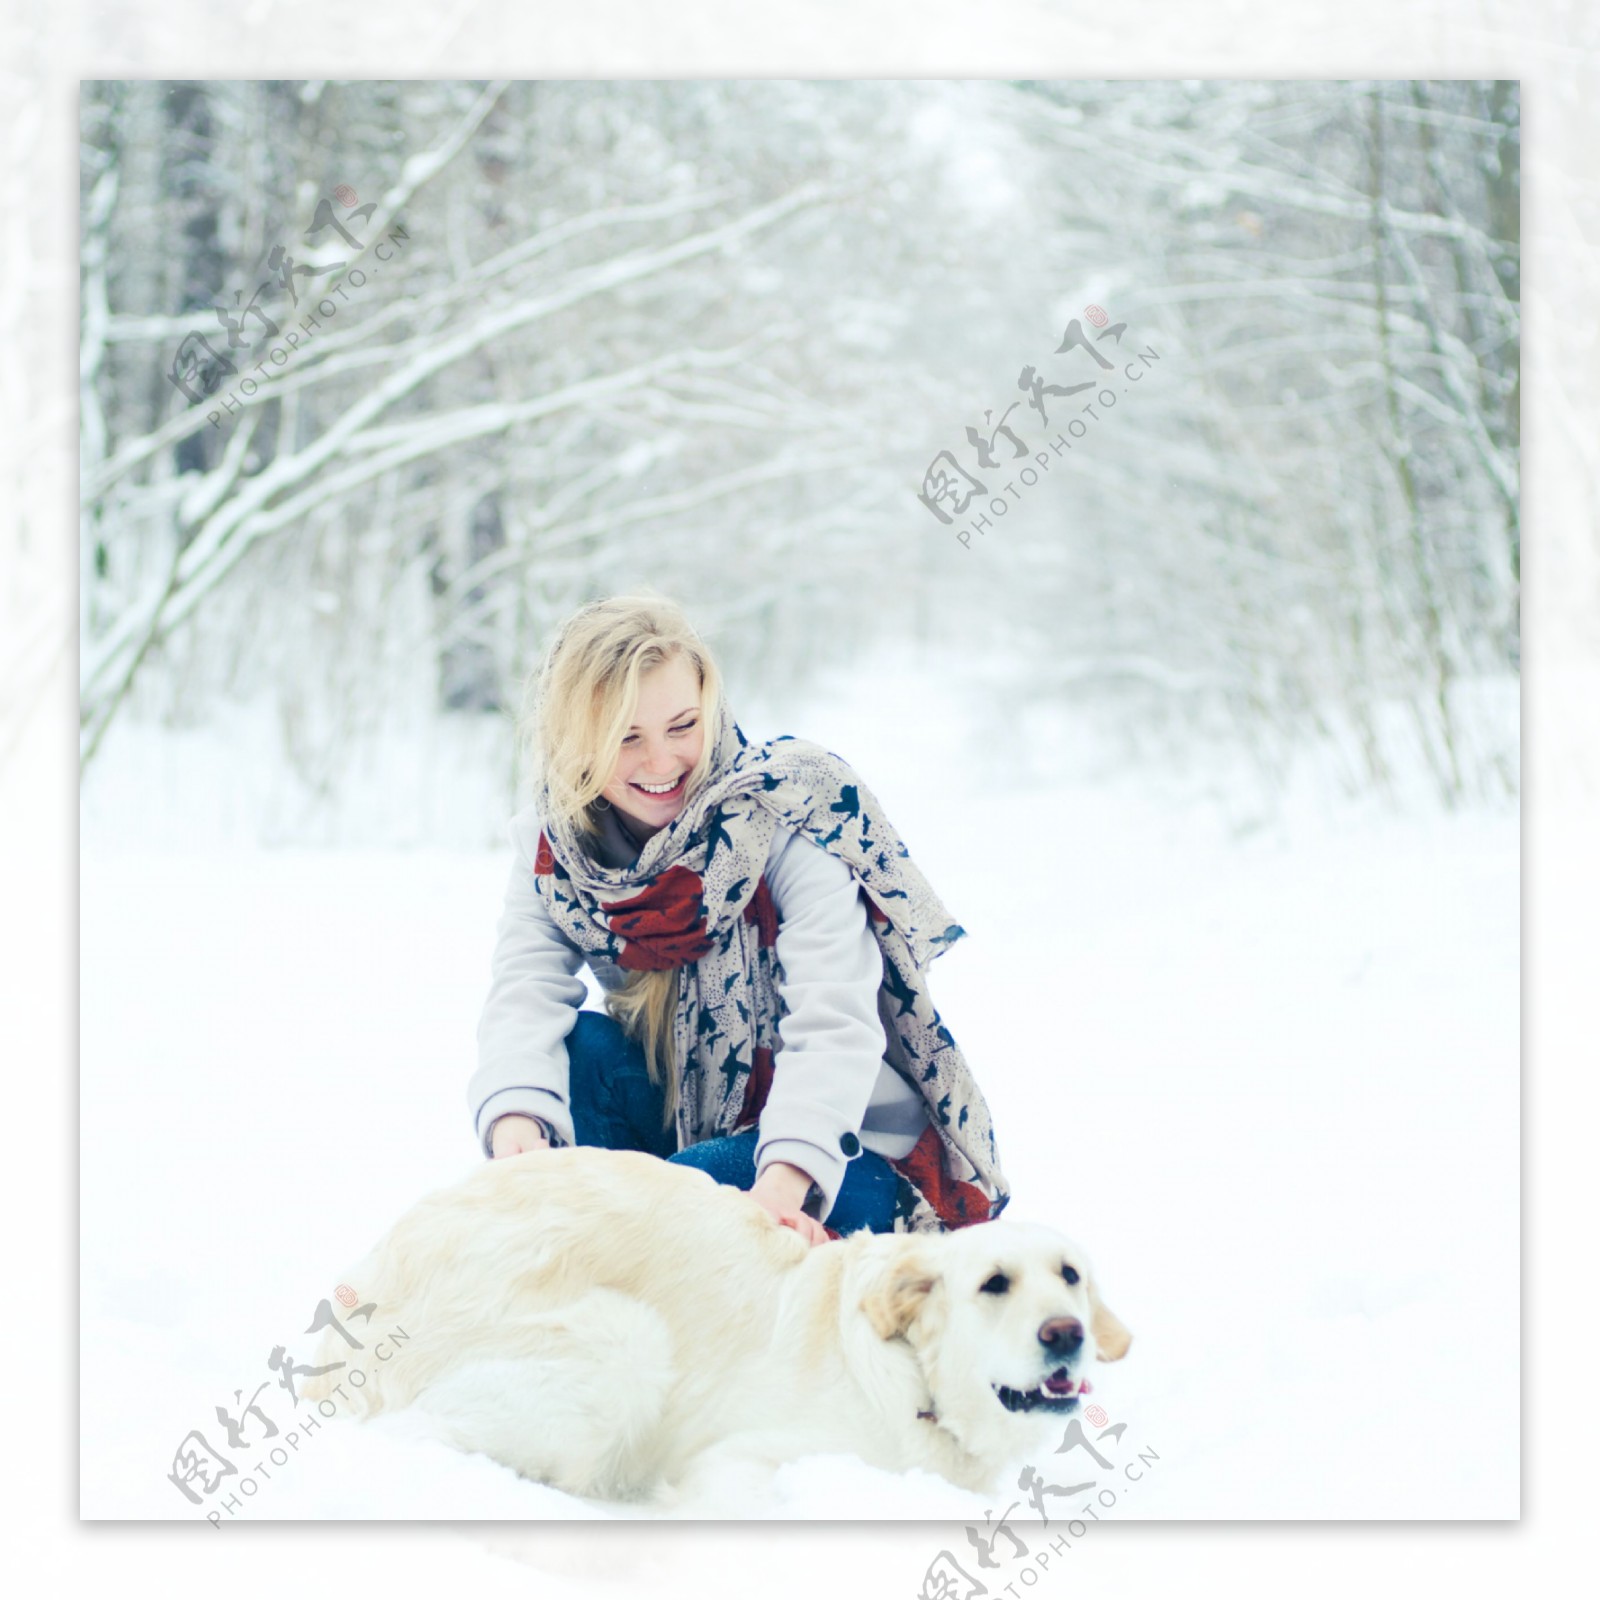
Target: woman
x: 762, y: 938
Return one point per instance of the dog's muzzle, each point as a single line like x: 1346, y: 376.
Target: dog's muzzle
x: 1059, y: 1391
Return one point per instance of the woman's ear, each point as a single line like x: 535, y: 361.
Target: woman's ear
x: 1111, y: 1339
x: 896, y: 1299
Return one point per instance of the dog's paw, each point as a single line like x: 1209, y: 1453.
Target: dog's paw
x: 723, y: 1482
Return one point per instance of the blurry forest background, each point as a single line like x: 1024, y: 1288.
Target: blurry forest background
x: 718, y: 338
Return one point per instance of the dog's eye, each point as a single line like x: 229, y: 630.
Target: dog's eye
x: 998, y: 1284
x: 1069, y: 1272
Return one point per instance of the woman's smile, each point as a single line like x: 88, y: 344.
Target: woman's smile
x: 667, y: 790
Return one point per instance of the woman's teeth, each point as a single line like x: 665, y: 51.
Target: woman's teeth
x: 659, y: 788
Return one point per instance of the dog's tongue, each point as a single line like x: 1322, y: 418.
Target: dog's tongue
x: 1062, y: 1382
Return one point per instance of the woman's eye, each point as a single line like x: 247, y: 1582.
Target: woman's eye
x: 687, y: 727
x: 1070, y: 1274
x: 998, y: 1284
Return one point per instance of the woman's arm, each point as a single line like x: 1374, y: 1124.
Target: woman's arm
x: 534, y: 995
x: 832, y: 1036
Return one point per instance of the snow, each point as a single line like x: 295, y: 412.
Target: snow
x: 1262, y: 1062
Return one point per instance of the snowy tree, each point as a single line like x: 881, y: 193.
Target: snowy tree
x: 380, y: 379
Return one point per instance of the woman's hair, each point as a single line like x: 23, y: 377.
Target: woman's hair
x: 581, y: 703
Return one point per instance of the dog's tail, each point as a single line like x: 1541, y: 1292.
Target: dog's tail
x: 353, y: 1337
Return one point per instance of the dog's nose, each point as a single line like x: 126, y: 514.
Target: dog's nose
x: 1062, y: 1335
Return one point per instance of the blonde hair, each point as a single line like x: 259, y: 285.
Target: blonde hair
x: 581, y: 703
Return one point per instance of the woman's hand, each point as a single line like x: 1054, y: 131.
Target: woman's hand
x: 780, y: 1191
x: 512, y: 1134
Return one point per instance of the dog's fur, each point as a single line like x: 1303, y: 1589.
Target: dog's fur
x: 620, y: 1327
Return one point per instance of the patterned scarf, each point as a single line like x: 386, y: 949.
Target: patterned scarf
x: 696, y: 900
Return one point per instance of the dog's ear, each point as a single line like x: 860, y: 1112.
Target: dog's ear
x: 1111, y: 1339
x: 898, y: 1295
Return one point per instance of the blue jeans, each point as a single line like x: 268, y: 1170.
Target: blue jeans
x: 615, y: 1106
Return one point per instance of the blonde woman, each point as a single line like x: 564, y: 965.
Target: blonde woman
x: 762, y: 938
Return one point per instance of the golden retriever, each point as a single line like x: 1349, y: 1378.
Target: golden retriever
x: 624, y: 1328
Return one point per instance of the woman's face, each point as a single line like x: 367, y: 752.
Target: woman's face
x: 660, y: 750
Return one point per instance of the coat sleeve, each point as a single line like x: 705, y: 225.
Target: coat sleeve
x: 534, y: 996
x: 832, y: 1036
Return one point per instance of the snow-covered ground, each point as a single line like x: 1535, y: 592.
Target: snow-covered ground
x: 1263, y: 1065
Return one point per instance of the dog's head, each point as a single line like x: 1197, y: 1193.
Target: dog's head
x: 1005, y: 1319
